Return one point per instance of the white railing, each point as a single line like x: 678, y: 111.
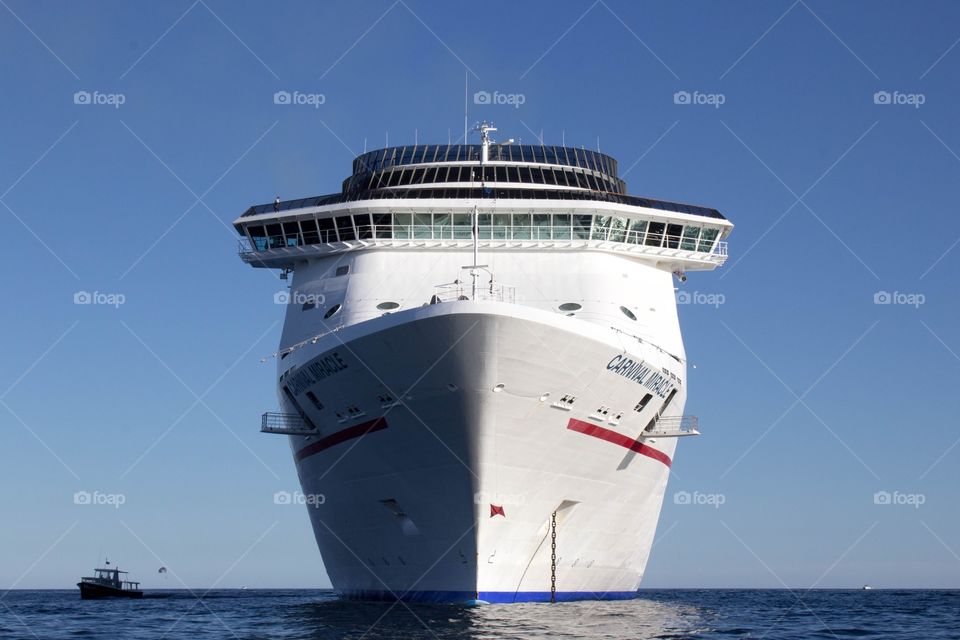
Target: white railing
x: 674, y: 427
x: 489, y: 233
x: 290, y: 424
x: 492, y: 291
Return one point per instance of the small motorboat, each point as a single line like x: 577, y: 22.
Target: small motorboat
x: 108, y: 583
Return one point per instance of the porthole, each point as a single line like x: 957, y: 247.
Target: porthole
x: 331, y: 312
x: 628, y: 313
x: 498, y: 388
x: 570, y: 306
x: 385, y: 306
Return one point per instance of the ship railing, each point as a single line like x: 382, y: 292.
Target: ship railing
x: 290, y: 424
x: 643, y: 240
x: 673, y: 427
x: 491, y: 292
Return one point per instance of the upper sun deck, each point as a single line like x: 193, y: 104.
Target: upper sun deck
x: 529, y: 195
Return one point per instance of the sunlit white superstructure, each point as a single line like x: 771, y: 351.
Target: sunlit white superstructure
x: 499, y: 431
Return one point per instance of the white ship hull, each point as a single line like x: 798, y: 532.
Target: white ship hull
x: 481, y: 370
x: 408, y: 489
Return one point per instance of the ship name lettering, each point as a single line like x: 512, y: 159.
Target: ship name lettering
x: 629, y: 369
x: 315, y: 371
x: 659, y: 384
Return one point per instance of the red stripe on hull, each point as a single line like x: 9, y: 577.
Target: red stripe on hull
x: 618, y: 439
x: 334, y: 439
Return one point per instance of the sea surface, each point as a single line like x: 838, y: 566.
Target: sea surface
x: 262, y: 614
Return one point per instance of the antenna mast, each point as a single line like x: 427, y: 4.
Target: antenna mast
x: 484, y: 128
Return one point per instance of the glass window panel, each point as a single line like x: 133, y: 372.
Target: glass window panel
x: 462, y: 226
x: 382, y: 225
x: 501, y: 225
x: 326, y: 230
x: 259, y: 236
x: 309, y: 228
x: 275, y: 233
x: 581, y: 226
x: 541, y: 226
x: 292, y: 233
x: 422, y: 226
x: 362, y: 223
x: 690, y: 235
x: 561, y: 226
x: 618, y: 228
x: 655, y: 234
x: 637, y: 230
x: 674, y: 231
x: 403, y: 225
x: 707, y: 237
x: 601, y: 225
x: 485, y: 220
x: 345, y: 228
x: 441, y: 226
x: 521, y: 226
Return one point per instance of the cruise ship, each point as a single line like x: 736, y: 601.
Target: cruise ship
x: 481, y: 373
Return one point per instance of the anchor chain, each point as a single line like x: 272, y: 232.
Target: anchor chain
x: 553, y: 557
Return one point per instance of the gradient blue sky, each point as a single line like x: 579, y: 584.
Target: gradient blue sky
x: 834, y: 197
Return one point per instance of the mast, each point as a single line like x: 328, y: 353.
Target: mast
x: 484, y: 128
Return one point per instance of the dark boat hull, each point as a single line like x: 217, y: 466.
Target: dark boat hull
x: 90, y: 591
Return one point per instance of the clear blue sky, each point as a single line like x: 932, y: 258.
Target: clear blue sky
x: 835, y: 198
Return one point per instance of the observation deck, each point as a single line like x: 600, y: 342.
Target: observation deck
x: 514, y: 195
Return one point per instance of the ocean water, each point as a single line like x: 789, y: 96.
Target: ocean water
x: 283, y: 614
